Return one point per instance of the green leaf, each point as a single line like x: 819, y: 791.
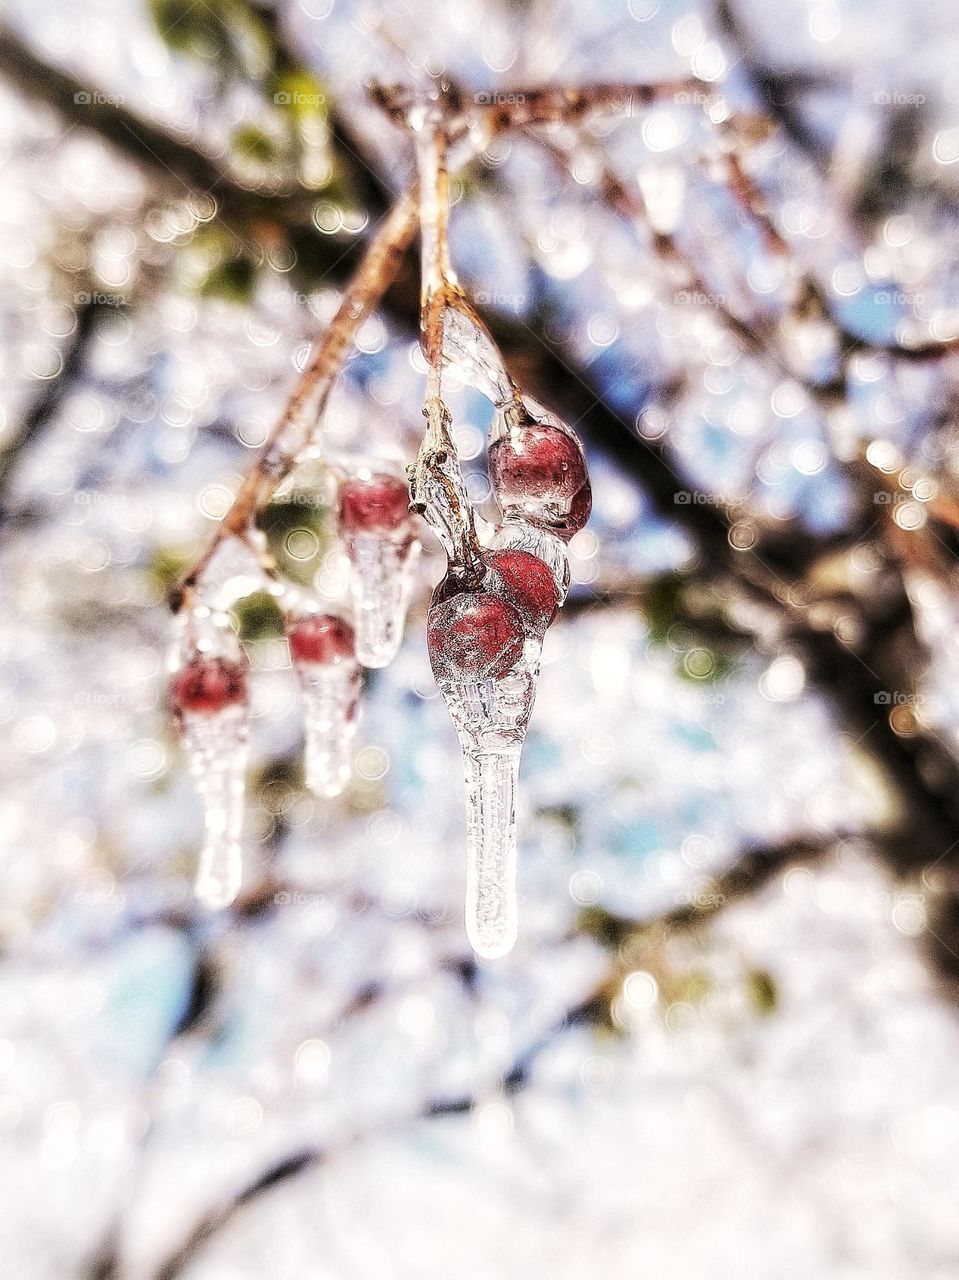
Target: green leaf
x: 234, y: 280
x: 661, y: 606
x: 299, y: 533
x: 609, y: 931
x: 258, y: 617
x: 228, y: 33
x: 763, y: 991
x: 167, y: 567
x: 279, y: 772
x: 255, y: 145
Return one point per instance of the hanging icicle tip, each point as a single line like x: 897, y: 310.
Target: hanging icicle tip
x: 210, y: 697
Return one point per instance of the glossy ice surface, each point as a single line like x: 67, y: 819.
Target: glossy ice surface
x: 382, y: 571
x: 329, y: 693
x: 217, y: 747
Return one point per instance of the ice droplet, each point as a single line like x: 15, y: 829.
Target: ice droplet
x: 330, y: 692
x: 381, y: 581
x: 491, y: 719
x: 217, y: 749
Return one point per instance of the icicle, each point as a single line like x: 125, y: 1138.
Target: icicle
x: 491, y: 719
x: 218, y: 753
x: 484, y: 639
x: 323, y: 649
x: 209, y: 695
x: 381, y: 583
x: 330, y: 697
x: 383, y: 548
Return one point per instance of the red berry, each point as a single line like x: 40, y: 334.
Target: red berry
x: 537, y: 461
x: 473, y: 636
x: 208, y: 685
x: 320, y: 637
x: 379, y: 504
x: 528, y: 584
x: 540, y: 469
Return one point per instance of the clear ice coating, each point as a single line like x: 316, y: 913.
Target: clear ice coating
x: 470, y: 351
x: 330, y: 693
x: 381, y: 581
x: 217, y: 748
x: 437, y: 490
x: 491, y: 719
x: 517, y: 534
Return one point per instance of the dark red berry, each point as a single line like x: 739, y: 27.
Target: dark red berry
x: 537, y: 461
x: 474, y: 636
x: 377, y: 505
x: 528, y: 584
x: 320, y: 637
x: 208, y: 685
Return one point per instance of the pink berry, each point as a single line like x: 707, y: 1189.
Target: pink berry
x: 208, y: 685
x: 473, y: 635
x: 540, y: 469
x: 528, y: 584
x: 320, y: 637
x: 378, y: 505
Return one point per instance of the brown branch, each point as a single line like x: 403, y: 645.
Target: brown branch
x: 297, y: 422
x: 44, y: 410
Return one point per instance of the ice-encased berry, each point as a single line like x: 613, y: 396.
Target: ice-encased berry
x: 320, y: 637
x: 379, y: 504
x: 206, y: 685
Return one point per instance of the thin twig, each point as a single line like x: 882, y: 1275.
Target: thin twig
x: 296, y: 427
